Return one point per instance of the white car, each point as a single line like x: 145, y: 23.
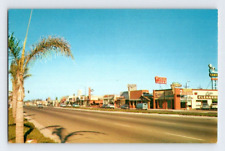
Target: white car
x: 62, y: 105
x: 111, y: 106
x: 76, y: 105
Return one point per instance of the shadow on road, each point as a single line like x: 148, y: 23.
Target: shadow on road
x: 27, y: 115
x: 60, y: 132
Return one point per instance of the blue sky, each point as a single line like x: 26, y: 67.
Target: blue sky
x: 116, y: 47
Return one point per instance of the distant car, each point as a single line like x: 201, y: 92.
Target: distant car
x: 76, y: 105
x: 214, y: 106
x: 68, y: 104
x: 62, y: 105
x: 205, y: 107
x: 125, y: 106
x: 111, y: 106
x: 104, y: 106
x: 40, y: 106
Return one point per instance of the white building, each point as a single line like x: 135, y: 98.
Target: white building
x: 202, y: 97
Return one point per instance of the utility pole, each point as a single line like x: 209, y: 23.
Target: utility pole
x: 187, y: 84
x: 108, y: 99
x: 187, y: 93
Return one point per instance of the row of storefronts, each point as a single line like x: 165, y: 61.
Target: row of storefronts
x: 174, y: 98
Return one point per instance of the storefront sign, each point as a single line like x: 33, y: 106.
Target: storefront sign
x: 159, y: 95
x: 213, y: 74
x: 169, y: 95
x: 186, y: 92
x: 160, y: 80
x: 207, y: 97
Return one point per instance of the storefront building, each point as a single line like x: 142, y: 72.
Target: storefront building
x: 139, y: 96
x: 204, y: 97
x: 165, y: 99
x: 96, y: 101
x: 180, y: 98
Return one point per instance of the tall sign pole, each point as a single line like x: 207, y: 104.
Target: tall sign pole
x: 213, y: 74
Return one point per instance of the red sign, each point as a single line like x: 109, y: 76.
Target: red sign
x: 160, y: 80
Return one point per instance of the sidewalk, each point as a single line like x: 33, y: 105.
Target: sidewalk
x: 46, y: 132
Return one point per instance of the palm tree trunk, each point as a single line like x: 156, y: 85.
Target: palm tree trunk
x: 14, y: 93
x: 19, y: 112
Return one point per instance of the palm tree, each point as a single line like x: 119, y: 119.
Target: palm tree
x: 14, y: 56
x: 14, y: 51
x: 39, y: 50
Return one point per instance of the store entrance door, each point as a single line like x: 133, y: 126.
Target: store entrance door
x: 169, y: 105
x: 172, y: 104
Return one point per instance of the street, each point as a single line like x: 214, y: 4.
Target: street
x: 107, y: 127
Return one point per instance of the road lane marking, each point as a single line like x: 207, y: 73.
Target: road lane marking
x: 124, y: 125
x: 185, y: 136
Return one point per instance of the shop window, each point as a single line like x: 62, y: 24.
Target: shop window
x: 172, y: 104
x: 169, y: 106
x: 183, y: 104
x: 204, y: 102
x: 198, y: 103
x: 151, y: 104
x: 160, y: 104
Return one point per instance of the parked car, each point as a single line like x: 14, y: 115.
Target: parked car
x: 214, y: 106
x: 76, y: 105
x: 205, y: 107
x: 62, y: 105
x: 125, y: 106
x: 40, y: 106
x: 104, y: 106
x: 111, y: 106
x: 68, y: 104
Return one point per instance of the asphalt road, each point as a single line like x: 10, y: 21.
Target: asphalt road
x: 106, y: 127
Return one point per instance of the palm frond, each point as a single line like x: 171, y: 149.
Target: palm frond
x: 27, y: 76
x: 13, y: 70
x: 13, y: 47
x: 48, y: 45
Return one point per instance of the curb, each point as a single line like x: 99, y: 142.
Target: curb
x: 46, y: 132
x: 146, y: 114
